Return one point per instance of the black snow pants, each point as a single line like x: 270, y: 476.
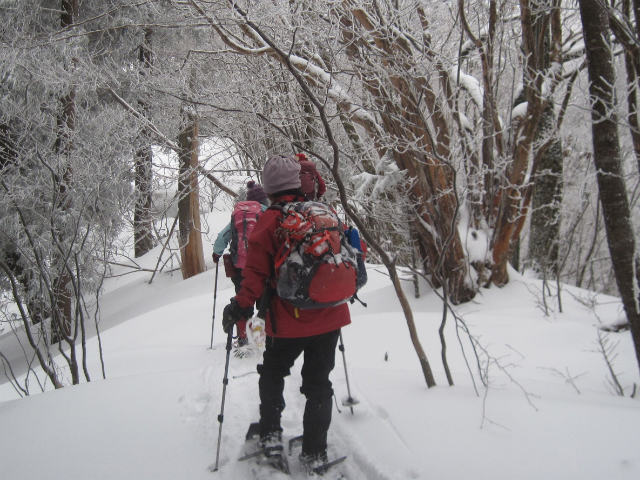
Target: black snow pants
x: 319, y: 359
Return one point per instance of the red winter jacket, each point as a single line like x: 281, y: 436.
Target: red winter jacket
x: 283, y: 319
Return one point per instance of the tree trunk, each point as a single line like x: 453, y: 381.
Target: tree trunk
x: 632, y: 63
x: 512, y: 206
x: 431, y: 179
x: 61, y: 315
x: 547, y: 198
x: 413, y: 332
x: 513, y: 199
x: 547, y: 169
x: 608, y: 161
x: 189, y: 204
x: 15, y: 261
x: 142, y: 218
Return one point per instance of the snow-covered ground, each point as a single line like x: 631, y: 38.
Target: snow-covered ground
x: 549, y: 411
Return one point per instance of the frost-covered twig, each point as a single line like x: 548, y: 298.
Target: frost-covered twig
x: 8, y: 371
x: 608, y: 351
x: 163, y: 249
x: 489, y: 360
x: 566, y: 375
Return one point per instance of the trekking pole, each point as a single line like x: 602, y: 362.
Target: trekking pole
x: 225, y: 381
x: 215, y: 294
x: 349, y: 401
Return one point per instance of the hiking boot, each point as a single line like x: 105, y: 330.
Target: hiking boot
x: 312, y: 463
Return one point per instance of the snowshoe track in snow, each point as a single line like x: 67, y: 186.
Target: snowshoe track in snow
x: 343, y: 440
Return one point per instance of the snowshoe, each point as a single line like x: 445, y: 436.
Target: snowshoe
x: 241, y: 348
x: 277, y: 459
x: 242, y: 352
x: 253, y: 432
x: 318, y: 464
x: 273, y: 451
x: 311, y: 462
x: 269, y: 449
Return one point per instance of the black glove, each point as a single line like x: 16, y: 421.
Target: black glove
x: 233, y: 313
x: 216, y: 257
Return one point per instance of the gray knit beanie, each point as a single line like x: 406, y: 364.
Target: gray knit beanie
x: 281, y: 173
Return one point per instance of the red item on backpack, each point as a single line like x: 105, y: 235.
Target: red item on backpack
x: 230, y: 269
x: 311, y: 183
x: 243, y: 220
x: 315, y: 266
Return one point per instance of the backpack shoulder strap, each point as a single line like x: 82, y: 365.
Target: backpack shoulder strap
x: 277, y: 206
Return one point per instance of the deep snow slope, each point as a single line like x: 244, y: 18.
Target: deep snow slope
x: 548, y: 411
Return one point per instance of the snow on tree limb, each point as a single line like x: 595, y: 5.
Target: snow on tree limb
x: 227, y: 36
x: 469, y: 83
x: 318, y: 76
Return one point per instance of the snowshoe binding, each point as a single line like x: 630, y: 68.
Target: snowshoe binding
x: 273, y: 451
x: 316, y: 465
x: 270, y: 449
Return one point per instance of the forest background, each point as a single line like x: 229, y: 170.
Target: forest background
x: 439, y: 126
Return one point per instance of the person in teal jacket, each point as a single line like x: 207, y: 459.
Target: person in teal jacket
x: 224, y: 239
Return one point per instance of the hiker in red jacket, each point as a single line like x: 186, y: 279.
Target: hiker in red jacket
x: 290, y: 331
x: 311, y: 183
